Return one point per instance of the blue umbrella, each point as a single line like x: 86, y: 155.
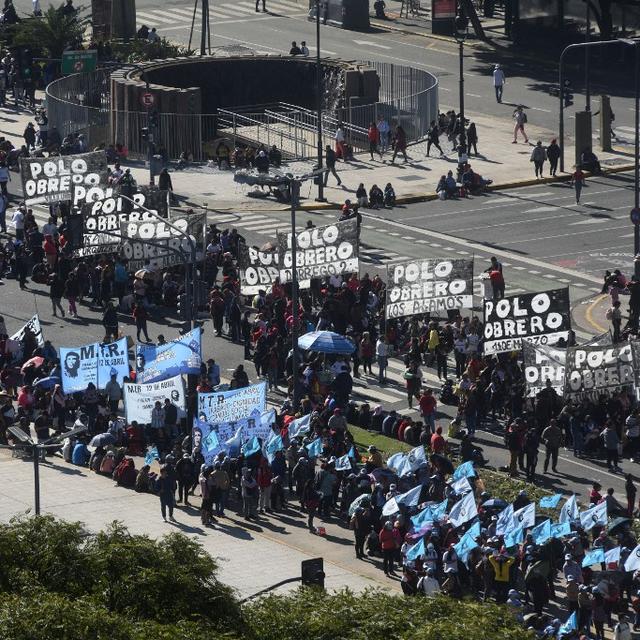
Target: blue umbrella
x: 326, y: 342
x: 47, y: 383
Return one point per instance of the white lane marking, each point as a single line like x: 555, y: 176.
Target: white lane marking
x: 588, y: 221
x: 152, y: 17
x: 540, y: 109
x: 368, y: 43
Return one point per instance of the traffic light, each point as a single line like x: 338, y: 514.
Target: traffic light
x: 154, y: 119
x: 568, y: 96
x: 144, y: 133
x: 181, y: 306
x: 313, y: 573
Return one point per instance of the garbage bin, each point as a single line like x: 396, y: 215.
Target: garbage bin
x: 347, y: 14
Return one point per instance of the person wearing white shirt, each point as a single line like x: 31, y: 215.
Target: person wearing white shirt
x: 50, y: 229
x: 622, y: 630
x: 17, y: 220
x: 498, y: 82
x: 335, y: 281
x: 428, y: 584
x: 382, y: 354
x: 340, y: 139
x: 304, y: 49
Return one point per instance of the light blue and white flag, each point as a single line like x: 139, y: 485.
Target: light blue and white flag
x: 570, y: 511
x: 463, y: 510
x: 180, y: 356
x: 460, y: 487
x: 514, y: 537
x: 270, y: 448
x: 416, y: 551
x: 560, y: 529
x: 396, y: 461
x: 465, y: 470
x: 593, y: 556
x: 613, y: 555
x: 525, y: 517
x: 597, y: 515
x: 440, y: 510
x: 570, y: 625
x: 416, y: 458
x: 343, y: 463
x: 550, y: 502
x: 251, y: 447
x: 542, y: 532
x: 299, y: 426
x: 390, y: 507
x: 151, y: 455
x: 505, y: 521
x: 235, y: 442
x: 352, y: 452
x: 410, y: 498
x: 314, y: 449
x: 632, y: 563
x: 468, y: 542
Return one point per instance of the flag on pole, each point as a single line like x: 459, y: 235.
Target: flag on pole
x: 396, y: 461
x: 593, y: 556
x: 462, y: 486
x: 468, y: 542
x: 250, y: 447
x: 416, y: 458
x: 550, y: 502
x: 525, y: 517
x: 560, y: 529
x: 416, y: 551
x: 514, y: 537
x: 314, y: 448
x: 632, y: 563
x: 343, y: 463
x: 570, y: 511
x: 542, y: 532
x: 420, y: 519
x: 410, y: 498
x: 465, y: 470
x: 352, y: 452
x: 270, y: 448
x: 596, y: 515
x: 151, y: 455
x: 463, y: 510
x: 505, y: 521
x: 570, y: 625
x: 300, y: 426
x: 612, y: 556
x: 390, y: 507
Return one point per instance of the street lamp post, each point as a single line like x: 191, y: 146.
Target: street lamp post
x: 587, y: 79
x: 636, y: 190
x: 319, y: 90
x: 461, y: 31
x: 294, y: 190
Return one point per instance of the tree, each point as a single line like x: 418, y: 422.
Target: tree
x: 54, y: 32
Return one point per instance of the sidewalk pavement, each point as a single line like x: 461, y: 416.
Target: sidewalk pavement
x: 507, y: 165
x: 252, y: 555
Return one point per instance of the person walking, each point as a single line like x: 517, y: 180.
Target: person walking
x: 390, y: 540
x: 472, y: 139
x: 552, y: 437
x: 578, y: 180
x: 249, y: 491
x: 498, y: 82
x: 340, y: 142
x: 383, y: 130
x: 614, y: 315
x: 553, y: 155
x: 538, y: 156
x: 374, y: 138
x: 520, y: 119
x: 611, y: 441
x: 166, y: 489
x: 433, y: 138
x: 399, y: 143
x: 264, y: 8
x: 56, y: 291
x: 330, y: 162
x: 382, y: 355
x: 140, y: 315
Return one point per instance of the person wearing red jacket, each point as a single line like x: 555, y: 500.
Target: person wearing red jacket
x: 264, y: 484
x: 428, y: 406
x: 438, y: 443
x: 374, y: 139
x: 390, y: 540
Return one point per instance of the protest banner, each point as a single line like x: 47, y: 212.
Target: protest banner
x: 180, y: 356
x: 594, y: 371
x: 428, y: 286
x: 258, y: 269
x: 215, y: 437
x: 544, y: 363
x: 33, y: 324
x: 93, y: 363
x: 102, y: 217
x: 234, y: 405
x: 47, y: 180
x: 139, y: 399
x: 162, y: 245
x: 321, y: 251
x: 539, y: 318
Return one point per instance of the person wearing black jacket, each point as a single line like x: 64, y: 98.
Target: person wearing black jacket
x: 56, y: 291
x: 245, y: 330
x: 184, y: 474
x: 110, y: 323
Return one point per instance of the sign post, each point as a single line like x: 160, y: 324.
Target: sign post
x: 79, y: 61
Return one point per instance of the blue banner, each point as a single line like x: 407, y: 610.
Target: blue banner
x: 93, y: 363
x: 180, y: 356
x: 234, y: 405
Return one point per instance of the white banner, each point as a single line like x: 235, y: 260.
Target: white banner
x: 34, y: 325
x: 139, y: 399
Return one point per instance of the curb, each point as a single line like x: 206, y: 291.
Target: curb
x: 514, y: 184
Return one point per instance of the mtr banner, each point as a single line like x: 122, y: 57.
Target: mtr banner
x: 594, y: 371
x: 321, y: 251
x: 47, y: 180
x: 416, y: 287
x: 103, y: 216
x: 539, y: 318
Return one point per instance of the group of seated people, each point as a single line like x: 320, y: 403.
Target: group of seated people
x: 260, y: 159
x: 377, y: 198
x: 470, y: 182
x: 589, y: 162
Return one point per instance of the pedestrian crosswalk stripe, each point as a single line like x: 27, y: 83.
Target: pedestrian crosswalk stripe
x: 150, y: 16
x: 254, y: 221
x: 265, y: 224
x: 239, y: 7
